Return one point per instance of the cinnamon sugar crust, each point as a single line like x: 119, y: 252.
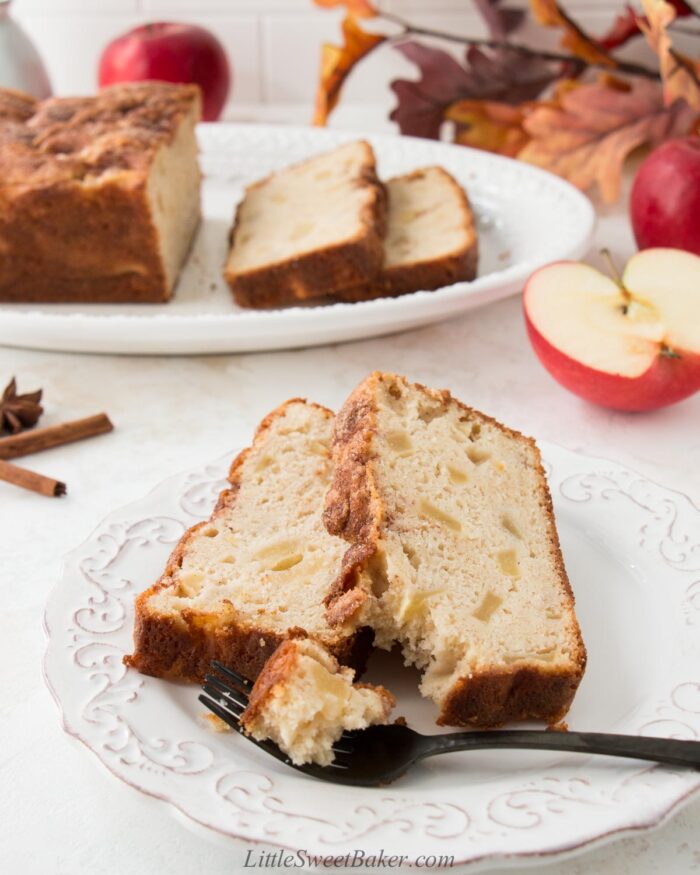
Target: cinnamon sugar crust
x: 79, y: 139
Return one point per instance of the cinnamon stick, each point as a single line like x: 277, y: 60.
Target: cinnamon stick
x: 30, y: 480
x: 37, y: 439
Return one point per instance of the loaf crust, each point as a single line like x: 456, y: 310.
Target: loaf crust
x: 355, y: 511
x: 459, y: 265
x: 318, y: 273
x: 75, y: 219
x: 183, y: 648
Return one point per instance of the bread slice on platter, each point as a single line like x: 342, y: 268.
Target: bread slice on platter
x: 99, y: 196
x: 308, y: 231
x: 303, y: 700
x: 259, y: 568
x: 449, y: 516
x: 431, y: 237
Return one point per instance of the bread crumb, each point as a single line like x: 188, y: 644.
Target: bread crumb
x: 216, y: 723
x: 562, y: 726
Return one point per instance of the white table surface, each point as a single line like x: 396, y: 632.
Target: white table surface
x: 59, y: 811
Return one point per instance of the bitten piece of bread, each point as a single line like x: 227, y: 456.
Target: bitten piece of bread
x: 308, y: 231
x: 450, y: 519
x: 304, y: 700
x: 431, y: 237
x: 259, y: 569
x: 99, y: 196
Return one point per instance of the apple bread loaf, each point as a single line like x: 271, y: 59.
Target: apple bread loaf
x: 308, y: 231
x: 303, y: 700
x: 99, y: 196
x: 259, y: 568
x: 454, y: 553
x: 430, y: 240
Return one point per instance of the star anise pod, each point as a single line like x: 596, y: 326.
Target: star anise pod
x: 18, y: 412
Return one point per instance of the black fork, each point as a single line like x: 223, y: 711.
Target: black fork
x: 381, y: 754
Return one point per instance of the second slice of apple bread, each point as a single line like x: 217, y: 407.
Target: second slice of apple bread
x: 450, y: 518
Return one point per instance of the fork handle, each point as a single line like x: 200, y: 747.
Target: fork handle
x: 671, y: 751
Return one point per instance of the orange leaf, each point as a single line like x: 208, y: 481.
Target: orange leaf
x: 589, y: 135
x: 359, y: 8
x: 337, y: 62
x: 489, y: 125
x: 550, y: 14
x: 679, y: 73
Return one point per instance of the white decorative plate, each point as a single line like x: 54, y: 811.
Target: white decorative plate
x: 632, y: 549
x: 526, y: 218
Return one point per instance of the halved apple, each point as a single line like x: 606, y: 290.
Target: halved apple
x: 629, y: 344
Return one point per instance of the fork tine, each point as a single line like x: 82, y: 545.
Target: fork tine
x: 223, y: 688
x: 242, y: 683
x: 221, y: 712
x: 223, y: 700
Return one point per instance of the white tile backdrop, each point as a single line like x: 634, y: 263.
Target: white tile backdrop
x: 273, y: 44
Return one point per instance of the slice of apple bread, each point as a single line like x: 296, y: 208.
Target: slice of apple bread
x: 303, y: 700
x: 308, y: 231
x: 261, y: 566
x: 431, y: 238
x: 450, y: 518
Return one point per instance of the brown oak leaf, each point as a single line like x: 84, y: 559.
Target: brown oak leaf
x: 358, y: 8
x: 590, y: 130
x: 502, y: 75
x: 486, y: 124
x: 680, y: 75
x: 337, y: 63
x: 577, y: 41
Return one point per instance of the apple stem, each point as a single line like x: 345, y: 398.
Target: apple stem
x: 615, y: 276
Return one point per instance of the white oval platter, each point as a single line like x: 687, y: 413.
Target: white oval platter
x: 632, y: 549
x: 526, y: 218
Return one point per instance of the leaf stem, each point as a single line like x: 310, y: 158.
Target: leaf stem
x: 409, y: 29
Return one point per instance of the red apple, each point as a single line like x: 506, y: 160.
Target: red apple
x: 665, y: 198
x: 170, y: 53
x: 632, y: 344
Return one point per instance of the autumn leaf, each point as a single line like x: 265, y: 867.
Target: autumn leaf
x: 500, y: 20
x: 587, y: 137
x: 550, y: 14
x: 626, y: 25
x: 486, y: 124
x: 680, y: 75
x: 337, y: 62
x: 358, y: 8
x: 502, y: 75
x: 624, y: 28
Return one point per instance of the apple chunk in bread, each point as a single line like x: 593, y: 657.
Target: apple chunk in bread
x: 629, y: 344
